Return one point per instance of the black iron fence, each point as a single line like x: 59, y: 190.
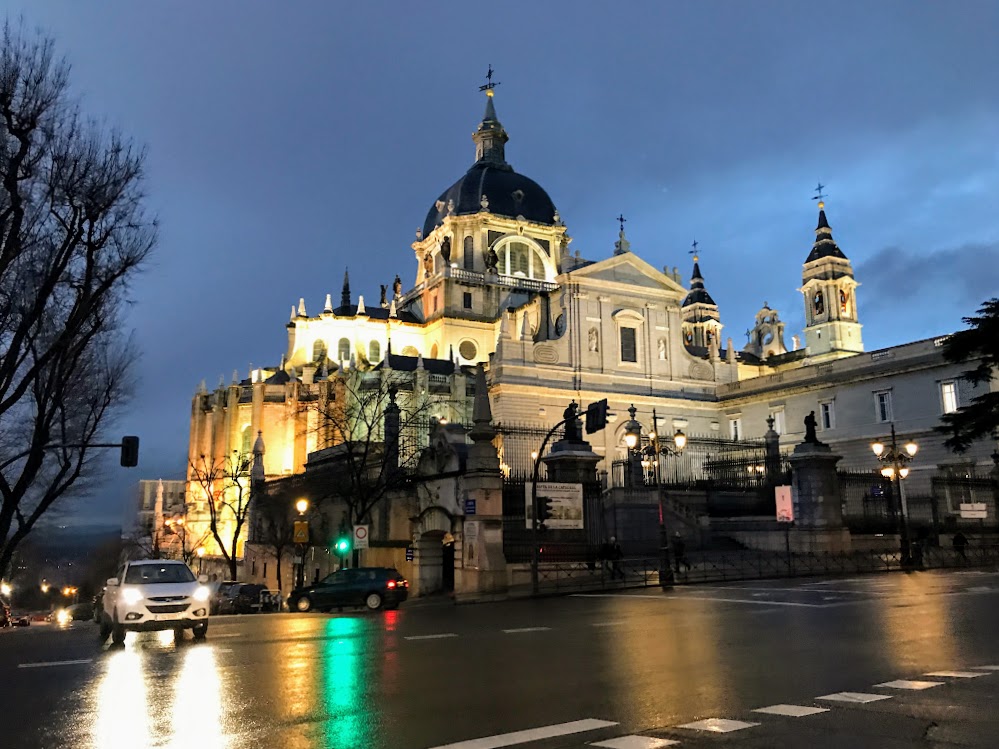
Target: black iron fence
x: 557, y: 574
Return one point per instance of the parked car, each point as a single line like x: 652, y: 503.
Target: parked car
x: 245, y: 598
x: 155, y: 594
x: 373, y: 587
x: 221, y: 589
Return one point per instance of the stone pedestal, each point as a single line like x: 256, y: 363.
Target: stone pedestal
x: 818, y: 502
x: 572, y: 462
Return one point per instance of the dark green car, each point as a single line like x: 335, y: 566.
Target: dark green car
x: 373, y: 587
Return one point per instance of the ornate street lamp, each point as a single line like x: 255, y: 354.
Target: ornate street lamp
x: 302, y: 506
x: 895, y: 467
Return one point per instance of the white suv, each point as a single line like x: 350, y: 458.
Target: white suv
x: 155, y: 594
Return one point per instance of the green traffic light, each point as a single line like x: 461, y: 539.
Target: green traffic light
x: 342, y: 546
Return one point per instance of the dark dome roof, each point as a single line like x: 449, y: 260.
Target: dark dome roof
x: 510, y: 194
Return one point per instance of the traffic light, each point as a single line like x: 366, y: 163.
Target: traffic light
x: 596, y: 416
x: 342, y: 545
x: 544, y: 509
x: 129, y: 452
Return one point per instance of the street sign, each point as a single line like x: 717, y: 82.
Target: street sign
x: 785, y: 504
x: 469, y: 506
x: 410, y: 553
x: 301, y: 532
x: 974, y: 510
x: 360, y: 536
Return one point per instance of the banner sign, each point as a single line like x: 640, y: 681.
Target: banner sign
x: 785, y: 505
x: 566, y: 504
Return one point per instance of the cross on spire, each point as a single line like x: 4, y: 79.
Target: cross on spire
x: 693, y: 251
x: 621, y: 219
x: 489, y: 85
x: 819, y: 195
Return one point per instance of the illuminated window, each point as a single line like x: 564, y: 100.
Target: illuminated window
x: 343, y: 350
x: 948, y: 395
x: 374, y: 351
x: 246, y: 445
x: 735, y: 428
x: 629, y: 345
x: 318, y: 351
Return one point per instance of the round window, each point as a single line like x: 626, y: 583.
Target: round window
x: 467, y: 350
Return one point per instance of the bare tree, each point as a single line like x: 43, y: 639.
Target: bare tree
x: 275, y: 525
x: 73, y: 234
x: 368, y: 460
x: 225, y: 484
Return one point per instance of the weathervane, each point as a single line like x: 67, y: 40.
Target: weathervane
x: 489, y: 85
x: 621, y: 219
x: 819, y: 195
x: 694, y: 250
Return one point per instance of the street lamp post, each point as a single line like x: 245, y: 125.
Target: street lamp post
x: 650, y: 459
x: 201, y: 558
x: 302, y: 506
x: 895, y: 467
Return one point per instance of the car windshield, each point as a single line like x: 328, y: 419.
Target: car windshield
x: 145, y: 574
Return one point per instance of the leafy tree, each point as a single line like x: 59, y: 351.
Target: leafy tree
x: 979, y: 343
x: 74, y: 232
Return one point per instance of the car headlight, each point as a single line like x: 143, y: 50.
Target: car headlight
x: 63, y: 616
x: 202, y: 593
x: 131, y: 596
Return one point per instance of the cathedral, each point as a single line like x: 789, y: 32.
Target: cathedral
x: 496, y: 283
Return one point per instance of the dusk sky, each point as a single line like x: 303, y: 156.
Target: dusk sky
x: 289, y: 140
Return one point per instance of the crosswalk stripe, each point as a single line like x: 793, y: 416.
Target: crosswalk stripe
x: 958, y: 674
x: 635, y: 742
x: 531, y: 734
x: 718, y: 725
x: 987, y: 668
x: 431, y: 637
x: 910, y: 684
x: 791, y: 711
x: 859, y: 698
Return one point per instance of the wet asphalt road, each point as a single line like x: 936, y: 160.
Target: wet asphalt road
x: 626, y: 669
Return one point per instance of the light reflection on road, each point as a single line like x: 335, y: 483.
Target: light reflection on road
x: 343, y: 688
x: 122, y: 720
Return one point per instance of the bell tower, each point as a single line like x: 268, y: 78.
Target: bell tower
x: 832, y: 327
x: 701, y: 323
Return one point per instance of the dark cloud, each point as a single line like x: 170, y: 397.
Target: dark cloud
x: 286, y: 143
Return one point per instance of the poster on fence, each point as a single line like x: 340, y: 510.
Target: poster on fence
x: 785, y: 505
x: 566, y: 504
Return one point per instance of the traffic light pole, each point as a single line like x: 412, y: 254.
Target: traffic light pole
x: 535, y: 545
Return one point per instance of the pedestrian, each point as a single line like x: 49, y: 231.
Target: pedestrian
x: 680, y: 553
x: 960, y: 542
x: 616, y: 554
x: 605, y: 556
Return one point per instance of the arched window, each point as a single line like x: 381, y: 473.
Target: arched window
x: 517, y: 257
x: 246, y: 445
x: 468, y: 254
x: 819, y: 303
x: 343, y: 350
x: 844, y: 306
x: 318, y: 350
x: 374, y: 352
x: 433, y: 351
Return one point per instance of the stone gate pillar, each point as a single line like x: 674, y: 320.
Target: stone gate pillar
x: 818, y: 501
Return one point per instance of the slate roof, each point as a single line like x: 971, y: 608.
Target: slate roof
x: 698, y: 294
x: 824, y: 245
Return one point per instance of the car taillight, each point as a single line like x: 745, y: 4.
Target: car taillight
x: 405, y: 583
x: 390, y: 584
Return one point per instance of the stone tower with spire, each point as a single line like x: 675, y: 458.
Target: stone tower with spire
x: 701, y: 321
x: 832, y: 328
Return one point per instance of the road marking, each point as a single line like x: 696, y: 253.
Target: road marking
x: 43, y: 664
x: 718, y: 725
x: 614, y: 624
x: 988, y: 668
x: 441, y: 636
x: 957, y: 674
x: 223, y: 650
x: 226, y: 634
x: 531, y: 734
x: 682, y: 597
x: 910, y: 684
x: 858, y: 698
x: 635, y: 742
x: 792, y: 711
x: 526, y: 629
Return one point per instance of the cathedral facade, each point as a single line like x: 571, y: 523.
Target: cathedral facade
x: 495, y: 283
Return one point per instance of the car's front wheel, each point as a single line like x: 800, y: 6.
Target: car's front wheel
x: 105, y: 627
x: 200, y: 630
x: 303, y: 604
x: 373, y: 601
x: 117, y: 632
